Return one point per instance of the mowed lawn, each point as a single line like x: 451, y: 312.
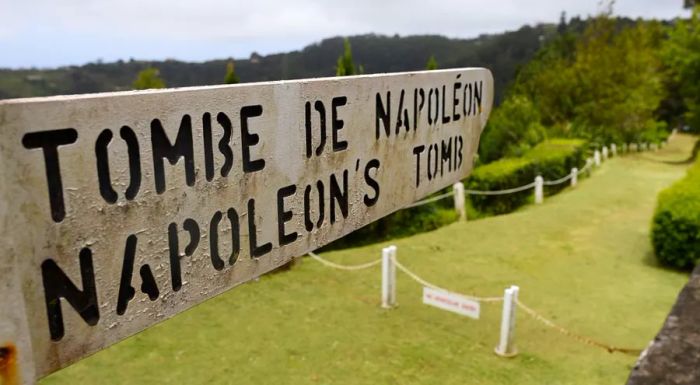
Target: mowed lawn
x: 583, y: 259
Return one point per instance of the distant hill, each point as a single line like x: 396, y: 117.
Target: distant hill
x: 502, y: 53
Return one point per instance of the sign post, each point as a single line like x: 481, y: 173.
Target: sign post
x: 120, y: 210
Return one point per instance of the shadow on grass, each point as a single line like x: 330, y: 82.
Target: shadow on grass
x: 650, y: 260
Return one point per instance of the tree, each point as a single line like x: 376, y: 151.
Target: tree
x: 621, y: 83
x: 148, y: 78
x: 345, y: 66
x: 231, y: 77
x: 561, y: 28
x: 513, y: 128
x: 681, y: 54
x: 603, y: 84
x: 432, y: 63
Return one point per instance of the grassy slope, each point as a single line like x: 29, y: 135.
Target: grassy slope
x: 583, y: 259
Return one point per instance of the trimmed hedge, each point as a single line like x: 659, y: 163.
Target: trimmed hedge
x: 402, y: 223
x: 675, y: 230
x: 552, y: 159
x: 548, y: 158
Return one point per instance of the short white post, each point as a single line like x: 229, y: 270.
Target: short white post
x: 596, y: 158
x: 613, y: 149
x: 539, y: 189
x: 634, y: 147
x: 459, y: 200
x: 654, y: 146
x: 645, y: 146
x: 392, y: 274
x: 605, y: 153
x: 388, y: 277
x: 574, y: 176
x: 589, y: 164
x: 506, y: 346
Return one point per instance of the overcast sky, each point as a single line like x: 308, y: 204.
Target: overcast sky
x: 48, y: 33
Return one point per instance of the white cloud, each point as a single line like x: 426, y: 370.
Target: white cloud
x: 49, y: 32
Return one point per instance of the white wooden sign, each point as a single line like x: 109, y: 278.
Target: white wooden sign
x: 451, y: 302
x: 121, y: 210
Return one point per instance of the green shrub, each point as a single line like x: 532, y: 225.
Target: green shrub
x: 402, y: 223
x: 694, y: 153
x: 555, y: 158
x: 513, y: 128
x: 501, y: 175
x: 552, y: 159
x: 655, y: 132
x: 675, y: 230
x: 548, y: 158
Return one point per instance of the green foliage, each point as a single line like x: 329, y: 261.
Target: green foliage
x: 602, y: 84
x: 345, y: 65
x: 400, y: 224
x: 431, y: 64
x: 500, y: 175
x: 654, y: 132
x: 681, y: 54
x: 147, y: 79
x: 675, y: 230
x: 231, y: 77
x: 513, y: 128
x: 552, y: 159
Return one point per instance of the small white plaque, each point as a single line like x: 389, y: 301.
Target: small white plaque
x: 451, y: 302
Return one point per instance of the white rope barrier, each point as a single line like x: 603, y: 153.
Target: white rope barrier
x: 344, y: 267
x: 585, y: 168
x: 529, y: 311
x: 558, y: 181
x: 578, y: 337
x: 423, y: 282
x: 501, y: 192
x: 430, y: 200
x: 390, y: 263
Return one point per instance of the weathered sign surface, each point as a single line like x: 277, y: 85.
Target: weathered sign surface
x: 451, y: 302
x: 121, y: 210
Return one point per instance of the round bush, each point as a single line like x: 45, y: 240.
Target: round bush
x: 675, y: 232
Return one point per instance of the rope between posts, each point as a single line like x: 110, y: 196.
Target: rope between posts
x: 585, y: 168
x: 529, y: 311
x: 430, y: 200
x: 423, y: 282
x: 344, y: 267
x: 558, y: 181
x: 577, y: 337
x: 501, y: 192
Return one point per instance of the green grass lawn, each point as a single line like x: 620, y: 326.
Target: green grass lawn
x: 677, y: 151
x: 582, y: 259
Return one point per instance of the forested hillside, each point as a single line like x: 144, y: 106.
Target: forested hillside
x: 502, y: 53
